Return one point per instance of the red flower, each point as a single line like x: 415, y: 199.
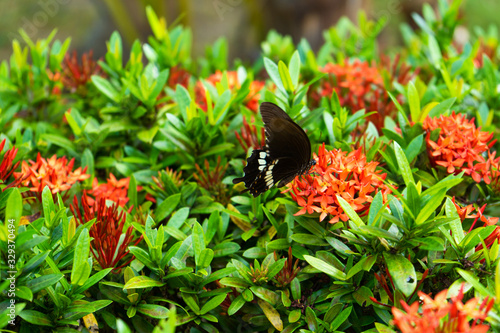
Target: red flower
x: 251, y: 101
x: 354, y: 83
x: 56, y: 173
x: 438, y: 315
x: 460, y: 146
x: 109, y: 244
x: 250, y: 137
x: 338, y: 173
x: 177, y: 76
x: 6, y: 164
x: 211, y: 180
x: 114, y: 190
x: 75, y: 76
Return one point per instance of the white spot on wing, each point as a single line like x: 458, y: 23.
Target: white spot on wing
x: 262, y: 154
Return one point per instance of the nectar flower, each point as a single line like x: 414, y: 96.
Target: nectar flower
x: 251, y: 101
x: 249, y: 137
x: 439, y: 315
x: 211, y: 180
x: 355, y: 82
x: 110, y: 242
x: 56, y: 173
x: 6, y: 164
x: 75, y: 76
x: 114, y: 190
x: 460, y: 146
x: 338, y: 173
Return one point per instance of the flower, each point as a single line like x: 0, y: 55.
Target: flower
x: 354, y: 82
x: 439, y: 315
x: 211, y: 180
x: 114, y: 190
x: 56, y: 173
x: 109, y: 243
x: 6, y: 165
x: 338, y: 173
x: 250, y: 137
x: 460, y: 146
x: 75, y: 76
x: 251, y: 101
x: 178, y: 75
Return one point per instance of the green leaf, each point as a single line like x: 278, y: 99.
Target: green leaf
x: 294, y: 68
x: 272, y: 314
x: 274, y: 74
x: 308, y: 239
x: 350, y: 212
x: 167, y: 207
x: 153, y: 310
x: 143, y: 256
x: 106, y: 88
x: 213, y: 303
x: 36, y: 318
x: 93, y: 279
x: 236, y: 305
x: 285, y: 77
x: 403, y: 164
x: 325, y: 267
x: 430, y: 207
x: 43, y: 282
x: 198, y: 242
x: 340, y: 319
x: 235, y: 282
x: 402, y: 273
x: 414, y: 102
x: 80, y: 256
x: 14, y: 208
x: 472, y: 279
x: 266, y: 294
x: 142, y: 281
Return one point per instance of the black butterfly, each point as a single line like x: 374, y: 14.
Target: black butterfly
x: 287, y: 153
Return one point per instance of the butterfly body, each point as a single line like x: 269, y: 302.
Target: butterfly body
x: 286, y: 155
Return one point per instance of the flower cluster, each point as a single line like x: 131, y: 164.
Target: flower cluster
x: 354, y: 82
x: 56, y: 173
x: 178, y: 75
x: 6, y: 163
x: 251, y: 101
x: 211, y: 180
x: 438, y: 315
x: 338, y: 173
x: 114, y: 190
x: 75, y: 76
x: 109, y: 244
x: 460, y: 146
x: 250, y: 136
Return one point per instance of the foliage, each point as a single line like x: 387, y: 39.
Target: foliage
x: 118, y: 208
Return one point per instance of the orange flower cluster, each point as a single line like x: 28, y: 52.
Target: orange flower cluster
x: 251, y: 101
x: 338, y: 173
x: 114, y: 190
x: 439, y: 316
x: 461, y: 146
x: 355, y: 83
x: 56, y: 173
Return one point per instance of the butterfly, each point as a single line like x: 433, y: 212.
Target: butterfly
x: 286, y: 155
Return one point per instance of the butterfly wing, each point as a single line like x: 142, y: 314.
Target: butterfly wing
x: 286, y: 154
x: 285, y: 140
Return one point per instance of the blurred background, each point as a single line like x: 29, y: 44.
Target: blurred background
x: 244, y: 23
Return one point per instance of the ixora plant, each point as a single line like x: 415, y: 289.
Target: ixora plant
x: 119, y: 213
